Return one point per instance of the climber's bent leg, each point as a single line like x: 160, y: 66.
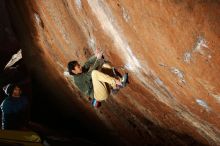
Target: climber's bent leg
x: 98, y: 80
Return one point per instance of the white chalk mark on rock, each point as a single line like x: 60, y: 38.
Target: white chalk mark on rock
x: 92, y: 43
x: 108, y: 24
x: 179, y: 74
x: 217, y: 97
x: 125, y: 14
x: 78, y: 4
x: 37, y: 18
x: 200, y: 45
x: 163, y: 65
x: 159, y: 82
x: 66, y: 73
x: 187, y: 57
x: 203, y: 104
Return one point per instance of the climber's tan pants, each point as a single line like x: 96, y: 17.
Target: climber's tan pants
x: 99, y: 81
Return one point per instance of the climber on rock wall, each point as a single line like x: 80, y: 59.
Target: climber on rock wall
x: 92, y: 80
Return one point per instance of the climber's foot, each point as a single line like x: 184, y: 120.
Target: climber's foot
x: 123, y: 83
x: 95, y: 103
x: 124, y: 80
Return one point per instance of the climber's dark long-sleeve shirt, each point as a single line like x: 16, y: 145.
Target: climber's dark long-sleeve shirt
x: 14, y: 112
x: 84, y: 80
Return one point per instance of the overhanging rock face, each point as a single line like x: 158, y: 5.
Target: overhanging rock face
x: 169, y: 48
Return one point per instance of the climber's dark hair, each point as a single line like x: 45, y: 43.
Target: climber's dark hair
x: 71, y: 65
x: 10, y: 88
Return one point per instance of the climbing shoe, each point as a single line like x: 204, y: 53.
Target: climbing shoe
x: 124, y: 80
x: 95, y: 103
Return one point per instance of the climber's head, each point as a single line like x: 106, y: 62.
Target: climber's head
x: 74, y: 68
x: 12, y: 90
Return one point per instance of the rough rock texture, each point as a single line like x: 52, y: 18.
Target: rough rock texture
x: 169, y: 47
